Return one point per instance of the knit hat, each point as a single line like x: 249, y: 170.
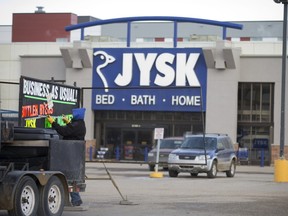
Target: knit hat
x: 78, y: 113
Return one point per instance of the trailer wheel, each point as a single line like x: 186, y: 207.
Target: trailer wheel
x: 52, y: 198
x: 26, y: 199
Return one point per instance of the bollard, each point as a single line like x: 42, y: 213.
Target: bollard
x: 117, y: 153
x: 262, y: 158
x: 91, y: 153
x: 145, y: 154
x: 281, y: 170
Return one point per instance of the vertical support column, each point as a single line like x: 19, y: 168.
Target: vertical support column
x: 82, y: 33
x: 281, y: 165
x: 175, y: 37
x: 224, y: 33
x: 128, y: 34
x: 283, y: 84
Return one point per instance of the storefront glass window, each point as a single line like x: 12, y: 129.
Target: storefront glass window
x: 246, y: 96
x: 255, y: 102
x: 130, y: 135
x: 255, y: 120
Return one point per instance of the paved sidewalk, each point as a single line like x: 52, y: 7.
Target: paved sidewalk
x: 240, y: 168
x: 255, y: 169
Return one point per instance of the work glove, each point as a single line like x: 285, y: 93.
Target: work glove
x: 65, y: 119
x: 50, y: 119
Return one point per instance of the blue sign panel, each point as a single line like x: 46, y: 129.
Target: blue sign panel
x: 261, y: 143
x: 149, y: 79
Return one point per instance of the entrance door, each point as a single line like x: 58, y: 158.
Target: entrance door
x: 128, y: 142
x: 136, y: 143
x: 256, y: 140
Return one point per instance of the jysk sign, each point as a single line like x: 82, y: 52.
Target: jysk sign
x: 39, y: 98
x: 261, y: 143
x: 157, y: 79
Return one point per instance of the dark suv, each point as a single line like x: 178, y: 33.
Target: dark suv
x: 167, y: 145
x: 196, y: 156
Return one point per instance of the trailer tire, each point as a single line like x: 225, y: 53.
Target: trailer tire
x: 52, y: 198
x: 26, y: 198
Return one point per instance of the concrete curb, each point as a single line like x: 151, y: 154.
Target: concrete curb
x: 255, y: 169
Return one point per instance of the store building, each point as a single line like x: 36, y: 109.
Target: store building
x: 193, y: 81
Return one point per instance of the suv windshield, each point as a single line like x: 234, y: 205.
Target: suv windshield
x: 197, y: 143
x: 170, y: 144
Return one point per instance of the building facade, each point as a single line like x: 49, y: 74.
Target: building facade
x: 239, y: 95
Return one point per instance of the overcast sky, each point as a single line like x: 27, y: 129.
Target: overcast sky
x: 220, y: 10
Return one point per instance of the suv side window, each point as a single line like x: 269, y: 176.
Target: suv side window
x: 220, y: 144
x: 228, y: 143
x: 225, y: 143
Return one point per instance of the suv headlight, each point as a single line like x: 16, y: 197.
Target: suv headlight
x: 173, y: 157
x: 202, y: 157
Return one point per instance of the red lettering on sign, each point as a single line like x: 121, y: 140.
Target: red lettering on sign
x: 30, y: 111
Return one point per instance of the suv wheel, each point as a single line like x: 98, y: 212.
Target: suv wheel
x: 231, y: 171
x: 173, y: 173
x: 151, y: 167
x: 213, y: 171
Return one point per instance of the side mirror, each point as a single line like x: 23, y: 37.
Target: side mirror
x: 220, y: 149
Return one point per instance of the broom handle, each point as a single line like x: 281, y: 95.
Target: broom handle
x: 114, y: 183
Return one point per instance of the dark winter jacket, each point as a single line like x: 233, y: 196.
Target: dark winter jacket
x: 75, y: 130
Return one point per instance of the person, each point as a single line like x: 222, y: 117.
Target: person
x: 73, y: 130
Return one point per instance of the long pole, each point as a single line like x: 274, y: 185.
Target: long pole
x: 284, y: 54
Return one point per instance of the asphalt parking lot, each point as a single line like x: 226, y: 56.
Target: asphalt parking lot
x: 252, y: 191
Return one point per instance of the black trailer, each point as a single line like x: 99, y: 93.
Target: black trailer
x: 38, y: 170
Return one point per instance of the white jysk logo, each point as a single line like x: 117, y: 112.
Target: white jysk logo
x: 106, y: 59
x: 184, y: 69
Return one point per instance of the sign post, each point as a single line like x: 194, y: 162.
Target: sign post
x: 158, y: 135
x: 281, y: 165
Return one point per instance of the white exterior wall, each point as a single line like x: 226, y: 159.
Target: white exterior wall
x: 222, y: 101
x: 6, y: 34
x: 83, y: 79
x: 222, y: 85
x: 10, y: 67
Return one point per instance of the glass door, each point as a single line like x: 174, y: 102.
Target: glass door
x: 136, y: 143
x: 128, y: 143
x: 256, y: 141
